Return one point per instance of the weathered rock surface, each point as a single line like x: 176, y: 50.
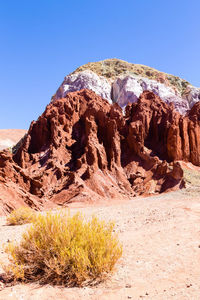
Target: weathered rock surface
x: 85, y: 80
x: 114, y: 68
x: 122, y: 82
x: 15, y: 186
x: 84, y: 149
x: 129, y: 88
x: 192, y: 95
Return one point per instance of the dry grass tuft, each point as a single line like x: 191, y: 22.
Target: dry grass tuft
x: 21, y: 216
x: 192, y: 177
x: 60, y: 249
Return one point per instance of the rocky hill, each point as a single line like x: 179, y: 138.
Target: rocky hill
x: 122, y: 82
x: 82, y: 148
x: 113, y: 130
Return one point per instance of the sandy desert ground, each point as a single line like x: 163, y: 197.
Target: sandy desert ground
x: 161, y: 251
x: 9, y: 137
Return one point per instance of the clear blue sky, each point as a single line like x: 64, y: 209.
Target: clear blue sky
x: 44, y: 40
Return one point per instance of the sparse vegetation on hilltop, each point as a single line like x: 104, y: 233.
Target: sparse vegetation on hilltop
x: 112, y: 68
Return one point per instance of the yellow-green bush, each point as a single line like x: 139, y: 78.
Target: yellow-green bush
x: 192, y: 177
x: 66, y: 250
x: 21, y: 216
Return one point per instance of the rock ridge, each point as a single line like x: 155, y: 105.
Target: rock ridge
x: 83, y: 149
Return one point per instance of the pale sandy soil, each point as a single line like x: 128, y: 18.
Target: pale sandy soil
x: 161, y: 252
x: 9, y: 137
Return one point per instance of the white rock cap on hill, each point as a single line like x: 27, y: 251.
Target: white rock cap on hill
x: 85, y: 80
x: 127, y: 87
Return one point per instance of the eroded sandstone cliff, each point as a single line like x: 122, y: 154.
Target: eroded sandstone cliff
x: 84, y: 149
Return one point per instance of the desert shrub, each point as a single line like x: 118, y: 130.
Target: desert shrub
x: 21, y: 216
x: 192, y: 177
x: 61, y: 249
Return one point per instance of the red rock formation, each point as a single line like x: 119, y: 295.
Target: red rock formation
x: 84, y: 149
x: 15, y: 186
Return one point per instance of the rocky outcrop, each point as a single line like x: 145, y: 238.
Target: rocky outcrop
x: 168, y: 134
x: 15, y: 186
x: 192, y: 95
x: 129, y: 88
x: 84, y: 149
x: 114, y: 68
x: 121, y: 82
x: 85, y: 80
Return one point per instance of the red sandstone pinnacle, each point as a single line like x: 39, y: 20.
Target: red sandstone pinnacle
x: 84, y: 149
